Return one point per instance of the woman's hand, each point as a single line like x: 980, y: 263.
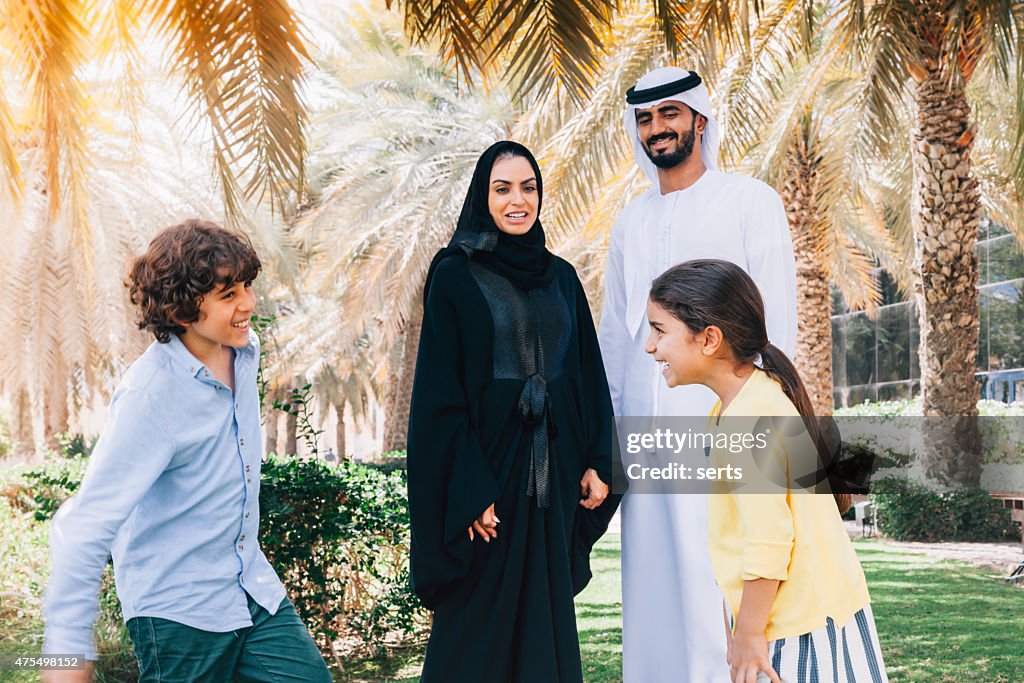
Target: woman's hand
x: 749, y: 655
x: 486, y: 525
x: 592, y: 489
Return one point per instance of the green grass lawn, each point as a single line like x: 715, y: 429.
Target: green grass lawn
x: 599, y: 620
x: 937, y: 621
x: 944, y: 621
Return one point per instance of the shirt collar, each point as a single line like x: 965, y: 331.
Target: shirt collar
x: 184, y: 359
x: 756, y: 379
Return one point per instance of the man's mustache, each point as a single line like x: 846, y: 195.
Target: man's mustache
x: 661, y: 136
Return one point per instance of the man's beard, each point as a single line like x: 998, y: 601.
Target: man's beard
x: 684, y: 148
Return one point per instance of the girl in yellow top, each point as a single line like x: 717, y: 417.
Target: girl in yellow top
x: 798, y: 604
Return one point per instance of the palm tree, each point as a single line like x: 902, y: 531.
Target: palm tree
x: 300, y: 349
x: 70, y: 332
x: 931, y: 50
x: 395, y: 139
x: 241, y: 65
x: 89, y: 167
x: 786, y: 115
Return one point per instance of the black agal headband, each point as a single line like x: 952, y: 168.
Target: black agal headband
x: 660, y: 92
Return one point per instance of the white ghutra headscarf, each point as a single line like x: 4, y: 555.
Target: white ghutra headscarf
x: 663, y: 84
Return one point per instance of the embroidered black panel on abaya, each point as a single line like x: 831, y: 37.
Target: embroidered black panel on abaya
x: 502, y: 372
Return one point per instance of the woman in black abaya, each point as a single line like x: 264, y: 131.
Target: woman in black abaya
x: 510, y: 436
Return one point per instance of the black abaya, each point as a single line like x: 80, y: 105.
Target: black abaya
x: 503, y: 610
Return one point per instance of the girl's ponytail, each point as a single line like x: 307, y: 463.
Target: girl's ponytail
x: 778, y: 366
x: 781, y: 369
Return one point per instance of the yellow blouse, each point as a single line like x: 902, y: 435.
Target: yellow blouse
x: 795, y: 537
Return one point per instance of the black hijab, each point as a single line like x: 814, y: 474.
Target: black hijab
x: 522, y: 259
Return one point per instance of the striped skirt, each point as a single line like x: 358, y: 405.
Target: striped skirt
x: 847, y: 654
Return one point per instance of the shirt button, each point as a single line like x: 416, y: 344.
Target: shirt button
x: 247, y: 515
x: 241, y: 442
x: 241, y: 547
x: 248, y: 479
x: 242, y: 537
x: 247, y: 468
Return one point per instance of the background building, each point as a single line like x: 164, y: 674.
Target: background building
x: 877, y: 360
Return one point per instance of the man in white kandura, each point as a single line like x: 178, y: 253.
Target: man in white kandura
x: 672, y: 609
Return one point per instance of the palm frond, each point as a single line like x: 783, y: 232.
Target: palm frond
x: 118, y: 26
x: 243, y: 62
x: 729, y: 25
x: 456, y: 24
x: 551, y: 42
x: 13, y: 179
x: 579, y: 155
x: 993, y: 158
x: 672, y: 22
x: 51, y: 39
x: 879, y: 40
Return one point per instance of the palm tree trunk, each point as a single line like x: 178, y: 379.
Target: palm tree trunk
x: 945, y: 214
x: 397, y: 425
x: 339, y: 430
x: 291, y: 430
x: 813, y: 301
x: 22, y: 425
x: 391, y: 393
x: 271, y: 419
x: 56, y: 416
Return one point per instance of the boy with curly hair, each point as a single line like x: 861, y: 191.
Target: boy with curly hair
x: 172, y: 487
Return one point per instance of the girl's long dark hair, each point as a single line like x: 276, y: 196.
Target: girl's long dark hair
x: 707, y: 292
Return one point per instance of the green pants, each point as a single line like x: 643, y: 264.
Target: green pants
x: 275, y: 648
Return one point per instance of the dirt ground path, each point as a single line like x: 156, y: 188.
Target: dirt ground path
x: 1001, y: 557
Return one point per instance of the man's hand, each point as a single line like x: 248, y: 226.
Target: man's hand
x: 68, y: 675
x: 748, y: 656
x: 592, y: 490
x: 486, y: 525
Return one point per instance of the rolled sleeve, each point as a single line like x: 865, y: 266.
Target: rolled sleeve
x: 767, y: 526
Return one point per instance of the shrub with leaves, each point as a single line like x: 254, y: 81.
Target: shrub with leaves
x: 339, y: 537
x: 909, y: 511
x: 42, y: 489
x: 912, y: 407
x: 76, y: 445
x: 895, y: 428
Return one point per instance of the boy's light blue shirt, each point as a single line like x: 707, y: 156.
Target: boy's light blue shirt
x: 172, y: 494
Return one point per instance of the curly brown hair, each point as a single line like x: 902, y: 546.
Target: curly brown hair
x: 184, y: 263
